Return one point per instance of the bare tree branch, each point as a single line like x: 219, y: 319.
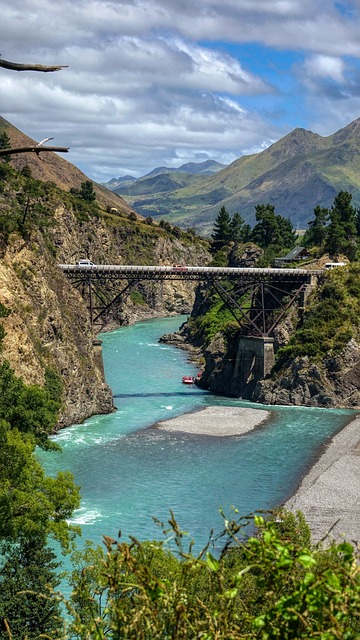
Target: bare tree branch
x: 16, y: 66
x: 34, y: 149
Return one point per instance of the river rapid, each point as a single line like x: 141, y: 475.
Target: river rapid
x: 130, y: 471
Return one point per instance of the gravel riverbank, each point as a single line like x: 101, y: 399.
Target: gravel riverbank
x: 329, y: 494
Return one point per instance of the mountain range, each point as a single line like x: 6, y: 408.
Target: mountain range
x: 295, y: 174
x: 153, y: 180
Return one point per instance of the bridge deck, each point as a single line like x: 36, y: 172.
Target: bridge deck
x: 186, y: 272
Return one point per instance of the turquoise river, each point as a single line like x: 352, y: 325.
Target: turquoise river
x: 129, y: 471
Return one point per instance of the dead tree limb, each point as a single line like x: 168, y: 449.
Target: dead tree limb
x: 17, y: 66
x: 33, y: 149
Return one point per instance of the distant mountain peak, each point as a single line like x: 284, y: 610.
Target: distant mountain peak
x: 351, y: 130
x: 208, y: 167
x: 295, y: 174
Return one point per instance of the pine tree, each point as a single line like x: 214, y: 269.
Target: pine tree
x: 222, y: 230
x: 266, y: 231
x: 237, y: 227
x: 87, y: 191
x: 341, y: 232
x: 5, y: 144
x: 316, y: 234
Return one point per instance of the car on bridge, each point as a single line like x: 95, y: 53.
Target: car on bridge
x: 179, y: 267
x: 86, y: 263
x: 334, y: 265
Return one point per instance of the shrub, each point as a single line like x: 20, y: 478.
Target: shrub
x: 330, y: 321
x: 272, y: 584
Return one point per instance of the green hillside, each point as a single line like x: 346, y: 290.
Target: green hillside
x: 295, y: 174
x: 160, y: 183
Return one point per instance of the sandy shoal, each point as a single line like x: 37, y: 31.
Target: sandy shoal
x: 329, y: 495
x: 217, y: 421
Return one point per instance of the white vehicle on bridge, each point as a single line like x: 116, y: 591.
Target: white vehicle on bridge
x: 86, y: 263
x: 333, y: 265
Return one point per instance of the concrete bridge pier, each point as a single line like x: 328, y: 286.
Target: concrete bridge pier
x: 307, y: 290
x: 254, y: 360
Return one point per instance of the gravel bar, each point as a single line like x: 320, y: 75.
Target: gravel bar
x: 217, y: 421
x: 328, y: 495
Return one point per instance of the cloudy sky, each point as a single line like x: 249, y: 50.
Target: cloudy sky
x: 164, y: 82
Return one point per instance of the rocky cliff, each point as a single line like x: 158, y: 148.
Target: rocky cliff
x: 48, y: 328
x: 333, y: 382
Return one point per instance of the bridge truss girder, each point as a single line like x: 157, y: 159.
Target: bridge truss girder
x: 102, y: 295
x: 257, y: 304
x: 258, y: 307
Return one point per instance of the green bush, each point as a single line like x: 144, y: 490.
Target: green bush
x: 331, y: 320
x: 28, y: 408
x: 271, y: 584
x: 53, y: 384
x: 137, y: 298
x: 218, y: 318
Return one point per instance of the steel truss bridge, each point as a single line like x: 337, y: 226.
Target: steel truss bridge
x: 257, y: 298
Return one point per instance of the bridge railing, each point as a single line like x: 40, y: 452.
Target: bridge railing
x: 186, y: 271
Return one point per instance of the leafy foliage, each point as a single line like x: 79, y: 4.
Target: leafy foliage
x: 335, y: 230
x: 53, y: 385
x: 28, y: 408
x: 28, y: 607
x: 32, y: 507
x: 272, y: 585
x: 31, y: 504
x: 217, y: 318
x: 331, y: 320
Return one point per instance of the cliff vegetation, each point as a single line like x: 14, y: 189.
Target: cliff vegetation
x: 320, y: 364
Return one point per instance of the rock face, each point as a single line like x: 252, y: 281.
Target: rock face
x: 49, y: 327
x: 333, y: 383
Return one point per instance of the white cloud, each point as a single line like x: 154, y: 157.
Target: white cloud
x: 152, y: 82
x: 325, y: 67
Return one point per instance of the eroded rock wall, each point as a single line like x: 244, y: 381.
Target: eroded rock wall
x: 49, y: 323
x: 333, y: 383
